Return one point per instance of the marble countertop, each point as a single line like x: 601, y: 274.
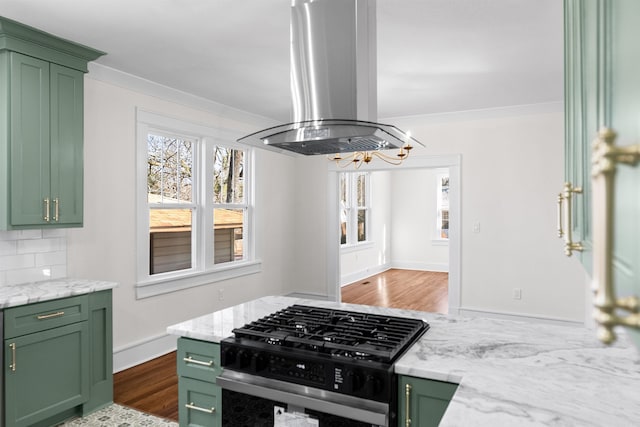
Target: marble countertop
x: 509, y: 373
x: 29, y: 293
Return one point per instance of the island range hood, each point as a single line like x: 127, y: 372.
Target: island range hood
x: 333, y: 83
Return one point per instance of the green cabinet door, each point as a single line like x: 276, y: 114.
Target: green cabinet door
x: 66, y: 166
x: 582, y: 116
x: 620, y: 58
x: 100, y: 351
x: 199, y: 403
x: 29, y: 140
x: 422, y: 402
x: 602, y: 90
x: 45, y: 374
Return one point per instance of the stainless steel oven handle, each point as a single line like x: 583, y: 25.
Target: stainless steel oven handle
x: 329, y: 402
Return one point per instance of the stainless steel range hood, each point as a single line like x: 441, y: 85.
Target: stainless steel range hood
x: 333, y: 83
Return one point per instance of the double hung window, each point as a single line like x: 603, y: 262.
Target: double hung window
x: 442, y: 206
x: 194, y: 204
x: 355, y: 209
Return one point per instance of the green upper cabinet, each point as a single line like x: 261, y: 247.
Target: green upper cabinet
x: 41, y: 137
x: 602, y: 103
x: 582, y: 116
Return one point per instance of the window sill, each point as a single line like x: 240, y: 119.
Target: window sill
x: 153, y: 287
x: 440, y: 242
x: 345, y: 249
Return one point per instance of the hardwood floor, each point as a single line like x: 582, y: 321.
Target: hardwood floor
x: 407, y: 289
x: 152, y: 387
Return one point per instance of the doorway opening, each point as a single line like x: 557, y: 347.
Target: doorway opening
x: 389, y: 273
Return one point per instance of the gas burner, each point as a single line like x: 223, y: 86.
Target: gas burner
x: 335, y: 332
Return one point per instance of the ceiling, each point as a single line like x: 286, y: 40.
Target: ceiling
x: 434, y: 56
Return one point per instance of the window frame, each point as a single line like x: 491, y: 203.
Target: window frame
x: 203, y: 269
x: 441, y: 206
x: 352, y: 208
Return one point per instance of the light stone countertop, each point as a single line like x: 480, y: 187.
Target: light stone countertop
x: 509, y: 373
x: 28, y: 293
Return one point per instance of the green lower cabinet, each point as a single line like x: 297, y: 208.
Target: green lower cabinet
x: 422, y: 402
x: 199, y: 398
x: 199, y: 403
x: 100, y: 352
x: 46, y: 375
x: 58, y: 360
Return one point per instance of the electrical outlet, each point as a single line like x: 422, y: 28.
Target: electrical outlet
x: 220, y: 294
x: 517, y: 293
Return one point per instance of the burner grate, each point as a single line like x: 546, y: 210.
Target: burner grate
x: 337, y: 333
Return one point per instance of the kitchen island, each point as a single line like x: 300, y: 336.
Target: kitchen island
x: 509, y: 373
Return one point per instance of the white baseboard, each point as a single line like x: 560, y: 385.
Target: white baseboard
x: 307, y: 295
x: 421, y: 266
x: 143, y: 351
x: 359, y: 275
x: 477, y: 312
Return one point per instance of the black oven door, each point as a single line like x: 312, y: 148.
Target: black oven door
x: 251, y: 401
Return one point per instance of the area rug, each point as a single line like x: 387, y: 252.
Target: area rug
x: 119, y: 416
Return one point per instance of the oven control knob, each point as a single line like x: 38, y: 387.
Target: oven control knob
x: 244, y: 358
x: 357, y: 380
x: 372, y: 386
x: 228, y: 357
x: 259, y: 362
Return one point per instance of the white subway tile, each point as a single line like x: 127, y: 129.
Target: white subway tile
x: 30, y: 234
x: 9, y: 235
x: 51, y: 258
x: 3, y: 278
x: 41, y: 245
x: 54, y: 232
x: 8, y: 247
x: 27, y: 275
x: 58, y: 271
x: 12, y: 262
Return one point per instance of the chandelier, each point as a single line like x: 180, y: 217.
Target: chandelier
x: 358, y: 158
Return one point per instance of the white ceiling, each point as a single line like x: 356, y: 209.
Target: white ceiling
x: 434, y: 56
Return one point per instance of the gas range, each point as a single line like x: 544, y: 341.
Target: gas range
x: 329, y: 350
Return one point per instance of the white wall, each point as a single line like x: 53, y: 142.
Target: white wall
x: 105, y: 247
x: 414, y: 241
x: 512, y: 163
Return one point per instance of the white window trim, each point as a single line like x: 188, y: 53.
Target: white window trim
x: 205, y: 271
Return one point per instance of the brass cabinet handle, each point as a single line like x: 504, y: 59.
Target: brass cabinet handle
x: 605, y: 157
x: 197, y: 362
x: 13, y: 357
x: 567, y: 195
x: 49, y: 316
x: 560, y: 200
x: 407, y: 405
x: 56, y: 209
x: 197, y: 408
x: 46, y: 209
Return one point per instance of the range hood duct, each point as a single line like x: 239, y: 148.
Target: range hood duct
x: 333, y: 83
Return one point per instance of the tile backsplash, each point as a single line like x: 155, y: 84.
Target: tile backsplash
x: 32, y: 255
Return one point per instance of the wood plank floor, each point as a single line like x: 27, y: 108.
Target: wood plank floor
x: 407, y: 289
x: 152, y: 387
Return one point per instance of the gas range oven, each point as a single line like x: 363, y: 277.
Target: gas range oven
x: 335, y: 365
